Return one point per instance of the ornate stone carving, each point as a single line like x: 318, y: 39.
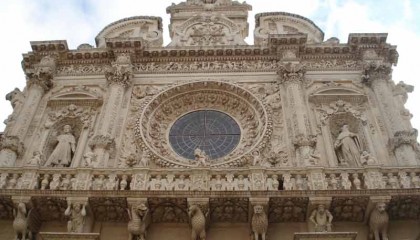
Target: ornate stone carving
x: 16, y: 98
x: 291, y: 73
x: 77, y: 214
x: 321, y: 218
x: 103, y: 142
x: 63, y: 152
x: 207, y: 30
x: 109, y: 209
x: 198, y: 223
x: 10, y: 149
x: 72, y: 111
x: 374, y: 180
x: 404, y: 208
x: 349, y: 209
x: 120, y: 72
x: 287, y: 210
x: 348, y: 147
x: 139, y: 221
x: 229, y: 209
x: 259, y: 222
x: 85, y: 69
x: 376, y: 71
x: 6, y: 208
x: 169, y: 210
x: 378, y: 223
x: 26, y: 223
x: 173, y: 103
x: 42, y: 73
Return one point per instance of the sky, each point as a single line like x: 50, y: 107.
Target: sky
x: 79, y: 21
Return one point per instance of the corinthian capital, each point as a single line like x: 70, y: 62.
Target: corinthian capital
x: 12, y: 143
x: 376, y: 71
x: 101, y: 141
x: 120, y: 72
x: 42, y: 74
x: 291, y: 72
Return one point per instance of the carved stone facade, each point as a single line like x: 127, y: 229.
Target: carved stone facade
x: 209, y: 136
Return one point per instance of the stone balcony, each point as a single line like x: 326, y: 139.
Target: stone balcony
x: 289, y: 195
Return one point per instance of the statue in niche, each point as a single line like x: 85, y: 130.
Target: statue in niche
x: 322, y: 219
x: 63, y: 151
x: 347, y: 147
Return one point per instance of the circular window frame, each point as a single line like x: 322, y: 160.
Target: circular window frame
x: 233, y: 119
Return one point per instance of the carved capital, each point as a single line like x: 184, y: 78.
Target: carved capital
x: 42, y: 74
x: 120, y: 72
x: 12, y: 143
x: 376, y: 71
x: 101, y: 141
x: 304, y: 141
x: 408, y: 137
x: 291, y: 73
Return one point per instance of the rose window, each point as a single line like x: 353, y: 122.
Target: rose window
x: 214, y: 132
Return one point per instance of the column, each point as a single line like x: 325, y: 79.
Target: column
x: 39, y: 81
x: 292, y: 76
x: 402, y: 139
x: 118, y: 76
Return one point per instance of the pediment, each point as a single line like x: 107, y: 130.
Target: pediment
x: 338, y: 91
x: 81, y: 97
x: 330, y: 94
x: 147, y: 28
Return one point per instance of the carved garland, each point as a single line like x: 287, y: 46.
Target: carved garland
x: 152, y: 127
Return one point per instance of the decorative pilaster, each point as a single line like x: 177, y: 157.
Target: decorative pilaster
x: 39, y: 81
x: 118, y: 77
x: 377, y: 76
x: 292, y: 77
x: 10, y: 149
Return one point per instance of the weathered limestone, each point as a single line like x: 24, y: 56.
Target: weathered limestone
x: 209, y: 137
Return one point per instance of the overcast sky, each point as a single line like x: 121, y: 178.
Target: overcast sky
x: 79, y: 21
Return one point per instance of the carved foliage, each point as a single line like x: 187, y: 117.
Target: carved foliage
x: 6, y: 208
x: 349, y: 209
x: 109, y: 209
x: 229, y: 209
x: 51, y: 208
x: 287, y: 210
x: 404, y: 208
x: 169, y: 210
x: 159, y: 114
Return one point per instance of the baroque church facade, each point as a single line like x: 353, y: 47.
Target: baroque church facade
x: 293, y: 137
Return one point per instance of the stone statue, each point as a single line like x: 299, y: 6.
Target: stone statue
x: 367, y: 159
x: 62, y: 154
x: 322, y: 219
x: 378, y: 223
x: 20, y: 224
x: 347, y: 147
x: 16, y: 98
x: 37, y: 159
x: 139, y: 222
x: 201, y: 157
x: 77, y: 214
x: 90, y: 159
x: 198, y: 223
x: 259, y: 223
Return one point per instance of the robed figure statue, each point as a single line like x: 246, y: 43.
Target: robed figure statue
x: 62, y: 154
x: 347, y: 147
